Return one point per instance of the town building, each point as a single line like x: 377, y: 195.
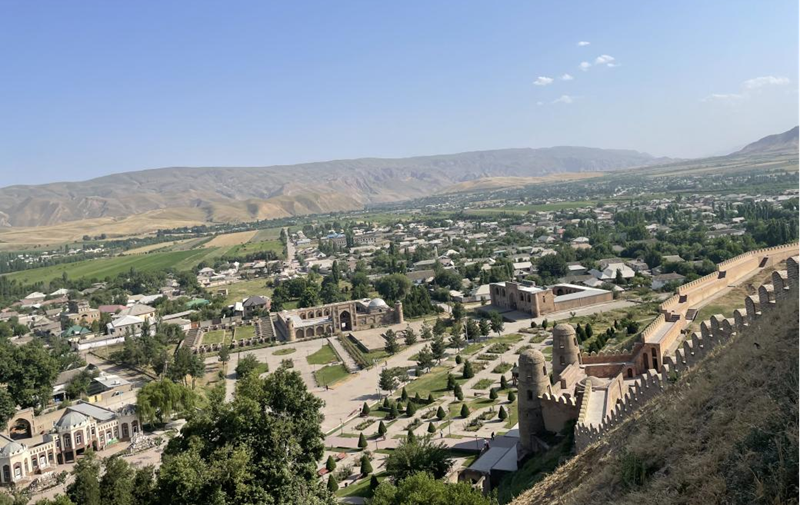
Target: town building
x: 336, y: 318
x: 24, y: 453
x: 538, y: 301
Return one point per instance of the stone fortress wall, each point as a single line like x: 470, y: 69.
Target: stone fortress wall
x: 714, y: 332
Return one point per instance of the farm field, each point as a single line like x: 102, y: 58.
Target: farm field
x: 109, y: 267
x: 231, y: 239
x: 253, y: 247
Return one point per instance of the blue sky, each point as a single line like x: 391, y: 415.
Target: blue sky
x: 89, y: 88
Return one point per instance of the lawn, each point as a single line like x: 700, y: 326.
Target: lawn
x: 284, y: 351
x: 322, y: 357
x: 361, y: 488
x: 330, y: 374
x: 214, y: 337
x: 243, y: 332
x: 238, y: 291
x: 110, y: 267
x: 483, y: 384
x: 433, y: 382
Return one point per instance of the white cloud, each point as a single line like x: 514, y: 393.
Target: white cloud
x: 585, y: 65
x: 539, y: 103
x: 722, y: 97
x: 612, y: 65
x: 603, y: 59
x: 748, y: 88
x: 563, y: 99
x: 583, y: 43
x: 567, y: 77
x: 543, y: 81
x: 760, y: 82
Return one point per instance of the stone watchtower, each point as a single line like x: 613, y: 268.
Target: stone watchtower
x: 565, y: 349
x: 533, y: 383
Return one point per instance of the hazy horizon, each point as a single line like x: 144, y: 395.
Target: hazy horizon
x: 93, y: 89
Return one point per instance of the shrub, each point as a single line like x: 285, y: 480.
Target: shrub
x: 333, y: 485
x: 362, y: 441
x: 365, y: 410
x: 464, y: 411
x: 468, y: 373
x: 502, y: 415
x: 440, y: 413
x: 431, y: 428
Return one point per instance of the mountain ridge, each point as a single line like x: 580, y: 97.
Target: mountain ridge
x: 275, y: 191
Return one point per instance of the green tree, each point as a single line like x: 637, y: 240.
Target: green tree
x: 503, y: 382
x: 423, y: 489
x: 224, y: 354
x: 484, y: 327
x: 464, y: 411
x: 366, y: 465
x: 85, y: 488
x: 233, y: 451
x: 158, y: 400
x: 458, y: 393
x: 392, y: 347
x: 511, y: 396
x: 438, y: 348
x: 333, y: 484
x: 8, y: 407
x: 496, y: 322
x: 493, y: 394
x: 246, y: 365
x: 116, y: 485
x: 330, y: 464
x: 365, y: 410
x: 419, y: 455
x: 410, y: 336
x: 393, y: 287
x: 425, y: 358
x: 411, y: 409
x: 458, y: 311
x: 440, y: 413
x: 426, y: 333
x: 467, y: 373
x: 381, y: 429
x: 502, y: 414
x: 431, y: 428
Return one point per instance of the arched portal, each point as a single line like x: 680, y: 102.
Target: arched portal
x: 346, y: 320
x: 21, y: 429
x: 125, y: 431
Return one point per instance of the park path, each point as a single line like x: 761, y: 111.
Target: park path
x: 347, y: 360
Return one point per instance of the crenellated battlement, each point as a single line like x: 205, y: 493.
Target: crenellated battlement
x: 714, y: 332
x: 565, y: 400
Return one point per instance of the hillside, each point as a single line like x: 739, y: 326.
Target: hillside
x: 781, y: 142
x: 241, y: 194
x: 726, y: 432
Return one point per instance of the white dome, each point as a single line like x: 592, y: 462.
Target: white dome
x: 12, y: 448
x: 377, y: 303
x: 71, y: 420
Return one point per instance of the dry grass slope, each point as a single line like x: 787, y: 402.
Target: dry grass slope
x: 727, y: 432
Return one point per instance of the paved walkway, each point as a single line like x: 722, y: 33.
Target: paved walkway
x: 347, y: 360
